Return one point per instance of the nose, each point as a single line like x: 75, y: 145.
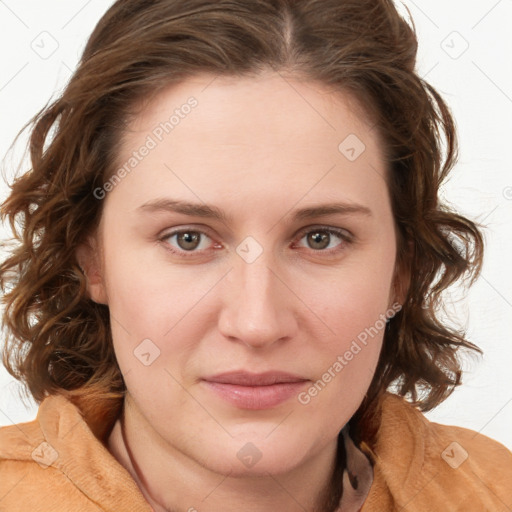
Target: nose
x: 259, y: 307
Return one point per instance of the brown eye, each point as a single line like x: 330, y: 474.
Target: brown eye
x: 187, y: 242
x: 320, y: 239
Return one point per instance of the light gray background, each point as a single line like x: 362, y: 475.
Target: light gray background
x: 465, y: 49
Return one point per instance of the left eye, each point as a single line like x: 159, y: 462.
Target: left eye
x: 319, y: 239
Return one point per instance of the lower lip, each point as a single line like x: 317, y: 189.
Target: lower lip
x: 256, y: 397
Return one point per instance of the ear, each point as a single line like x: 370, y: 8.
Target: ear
x: 89, y: 257
x: 402, y: 276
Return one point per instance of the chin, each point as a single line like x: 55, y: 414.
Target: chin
x: 254, y: 455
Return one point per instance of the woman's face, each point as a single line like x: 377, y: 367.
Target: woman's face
x: 284, y: 264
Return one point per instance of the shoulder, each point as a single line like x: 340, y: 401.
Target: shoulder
x: 56, y: 463
x: 28, y: 481
x: 424, y: 465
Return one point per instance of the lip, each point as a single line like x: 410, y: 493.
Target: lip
x: 255, y: 390
x: 243, y: 378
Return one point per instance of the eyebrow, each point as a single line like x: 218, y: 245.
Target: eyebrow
x: 212, y: 212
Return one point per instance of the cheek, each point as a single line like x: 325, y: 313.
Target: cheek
x: 154, y: 314
x: 148, y: 297
x: 354, y: 301
x: 345, y: 362
x: 354, y: 310
x: 359, y: 322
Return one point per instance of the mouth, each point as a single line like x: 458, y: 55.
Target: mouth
x: 255, y: 390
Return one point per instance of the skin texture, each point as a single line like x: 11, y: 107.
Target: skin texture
x: 259, y: 149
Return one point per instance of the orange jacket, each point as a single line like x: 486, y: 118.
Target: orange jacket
x: 55, y: 464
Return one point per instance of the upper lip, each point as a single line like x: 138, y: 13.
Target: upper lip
x: 244, y: 378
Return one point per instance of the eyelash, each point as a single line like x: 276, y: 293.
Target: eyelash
x: 344, y: 235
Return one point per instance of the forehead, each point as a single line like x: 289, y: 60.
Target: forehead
x: 235, y: 107
x: 254, y: 134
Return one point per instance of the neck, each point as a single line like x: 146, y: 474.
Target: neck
x: 172, y: 482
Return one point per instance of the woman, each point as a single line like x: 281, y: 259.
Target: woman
x: 232, y: 251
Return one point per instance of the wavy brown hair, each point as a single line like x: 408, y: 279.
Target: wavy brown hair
x: 57, y: 340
